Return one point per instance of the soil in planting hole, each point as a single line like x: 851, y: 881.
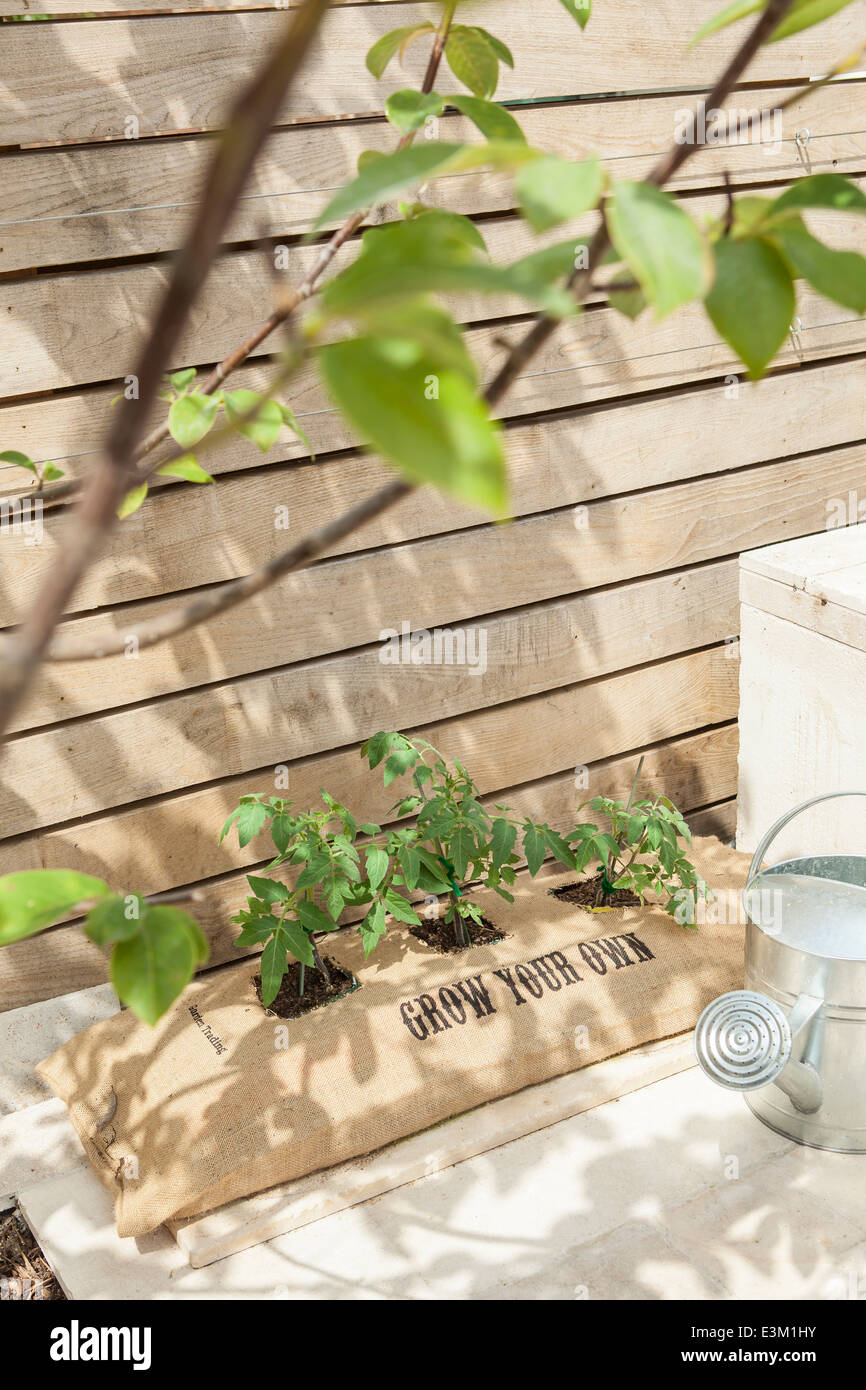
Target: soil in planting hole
x: 317, y: 991
x: 441, y: 935
x: 585, y: 893
x: 24, y: 1271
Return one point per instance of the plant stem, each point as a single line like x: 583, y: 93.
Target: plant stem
x: 634, y: 783
x: 301, y: 975
x: 320, y: 964
x: 438, y: 846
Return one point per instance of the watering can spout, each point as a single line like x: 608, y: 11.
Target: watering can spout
x: 744, y: 1041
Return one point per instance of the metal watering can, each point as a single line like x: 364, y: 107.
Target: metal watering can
x: 794, y: 1040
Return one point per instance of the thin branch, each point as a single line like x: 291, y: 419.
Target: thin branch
x: 289, y: 300
x: 313, y: 546
x: 250, y: 122
x: 207, y: 606
x: 801, y: 94
x: 729, y: 205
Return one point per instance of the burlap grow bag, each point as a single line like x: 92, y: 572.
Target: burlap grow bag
x: 221, y: 1099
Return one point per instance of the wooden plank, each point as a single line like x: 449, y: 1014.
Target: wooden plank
x: 599, y: 356
x: 95, y: 201
x: 692, y: 770
x: 199, y: 536
x: 85, y: 767
x: 82, y: 81
x: 445, y: 581
x: 74, y: 329
x: 611, y: 714
x: 60, y: 8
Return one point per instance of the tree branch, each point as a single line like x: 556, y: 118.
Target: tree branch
x: 312, y: 547
x: 250, y: 122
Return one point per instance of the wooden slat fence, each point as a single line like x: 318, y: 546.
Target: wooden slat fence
x: 641, y: 461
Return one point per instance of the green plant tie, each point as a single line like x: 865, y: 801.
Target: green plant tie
x: 449, y: 869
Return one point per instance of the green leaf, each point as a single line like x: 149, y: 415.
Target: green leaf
x: 407, y: 251
x: 752, y: 300
x: 425, y: 419
x: 268, y: 890
x: 535, y: 848
x: 229, y: 823
x: 20, y: 460
x: 191, y: 418
x: 432, y: 872
x: 502, y: 51
x: 399, y: 908
x: 803, y: 14
x: 289, y: 418
x: 579, y: 10
x: 312, y: 917
x: 251, y: 818
x: 461, y: 848
x: 552, y: 190
x: 441, y: 252
x: 256, y: 933
x: 729, y: 15
x: 185, y: 468
x: 294, y: 938
x: 377, y: 865
x: 389, y: 173
x: 380, y: 178
x: 660, y: 244
x: 472, y: 59
x: 821, y: 191
x: 398, y: 762
x: 35, y: 898
x: 335, y: 896
x: 264, y: 427
x: 631, y: 302
x: 111, y: 920
x: 153, y: 967
x: 407, y: 109
x: 50, y: 473
x: 558, y: 847
x: 273, y: 966
x: 410, y: 863
x: 180, y: 380
x: 383, y: 50
x: 281, y: 831
x: 502, y: 841
x: 131, y: 502
x: 837, y: 275
x: 198, y: 938
x: 376, y: 747
x: 318, y: 869
x: 494, y: 122
x: 373, y: 927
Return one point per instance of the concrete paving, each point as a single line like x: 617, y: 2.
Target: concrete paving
x: 28, y: 1035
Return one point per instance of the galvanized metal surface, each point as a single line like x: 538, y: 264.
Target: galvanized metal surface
x: 795, y: 1038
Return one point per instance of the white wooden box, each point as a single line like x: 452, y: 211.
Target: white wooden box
x: 803, y: 692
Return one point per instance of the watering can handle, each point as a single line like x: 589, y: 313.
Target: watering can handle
x: 760, y: 852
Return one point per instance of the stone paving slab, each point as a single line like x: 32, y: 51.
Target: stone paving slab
x: 36, y: 1143
x: 30, y: 1034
